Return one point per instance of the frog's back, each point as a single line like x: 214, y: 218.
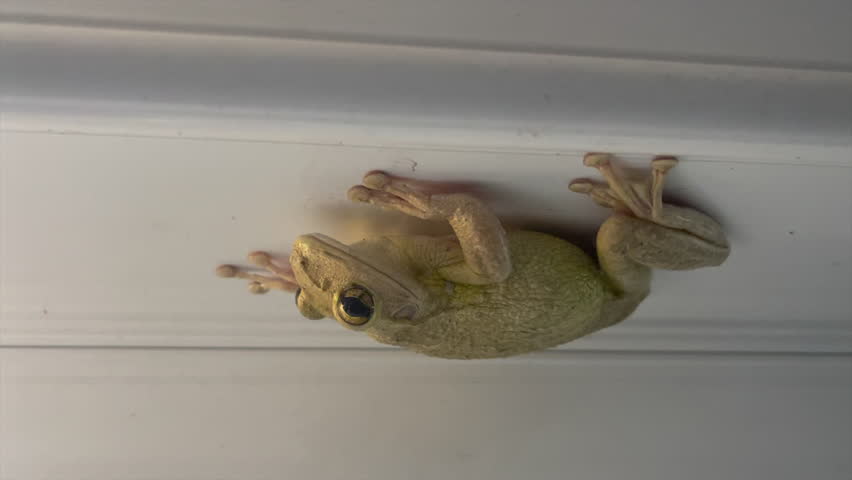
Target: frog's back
x: 554, y: 295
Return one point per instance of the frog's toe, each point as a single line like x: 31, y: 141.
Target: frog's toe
x: 600, y: 194
x: 663, y: 163
x: 257, y: 288
x: 597, y: 159
x: 261, y: 259
x: 382, y: 199
x: 359, y: 193
x: 376, y: 180
x: 226, y: 271
x: 581, y: 185
x: 659, y: 168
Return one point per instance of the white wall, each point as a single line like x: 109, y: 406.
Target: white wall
x: 140, y: 147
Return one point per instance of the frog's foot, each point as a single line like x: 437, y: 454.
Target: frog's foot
x: 644, y: 199
x: 284, y: 279
x: 395, y: 193
x: 480, y: 235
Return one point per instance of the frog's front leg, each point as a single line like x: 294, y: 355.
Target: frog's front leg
x: 481, y: 237
x: 645, y: 233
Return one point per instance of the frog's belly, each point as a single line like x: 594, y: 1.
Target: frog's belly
x: 554, y: 295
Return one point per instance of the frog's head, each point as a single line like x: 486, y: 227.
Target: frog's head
x: 357, y: 285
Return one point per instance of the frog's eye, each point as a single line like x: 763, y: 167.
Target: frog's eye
x: 355, y: 305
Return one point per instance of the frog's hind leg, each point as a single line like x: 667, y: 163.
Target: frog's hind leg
x: 649, y: 234
x: 644, y: 200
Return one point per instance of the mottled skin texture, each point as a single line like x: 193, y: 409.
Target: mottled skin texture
x: 553, y: 295
x: 485, y: 293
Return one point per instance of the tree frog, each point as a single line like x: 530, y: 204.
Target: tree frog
x: 484, y: 292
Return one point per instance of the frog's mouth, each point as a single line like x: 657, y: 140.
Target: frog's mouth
x: 343, y: 254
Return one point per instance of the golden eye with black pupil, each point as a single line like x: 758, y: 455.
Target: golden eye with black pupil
x: 356, y: 305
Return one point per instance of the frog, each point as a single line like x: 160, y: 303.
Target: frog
x: 486, y: 291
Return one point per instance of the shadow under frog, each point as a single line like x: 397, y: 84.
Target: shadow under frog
x: 483, y: 292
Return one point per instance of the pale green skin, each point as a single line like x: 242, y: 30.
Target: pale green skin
x: 554, y: 294
x: 485, y: 293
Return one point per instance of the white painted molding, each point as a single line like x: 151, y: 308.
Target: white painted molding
x: 106, y: 81
x: 811, y: 34
x: 105, y: 125
x: 120, y: 414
